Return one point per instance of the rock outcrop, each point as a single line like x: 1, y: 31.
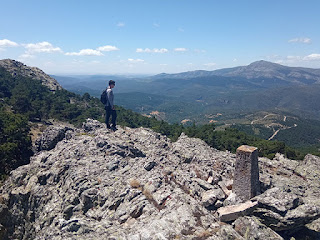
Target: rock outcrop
x: 92, y: 183
x: 19, y: 69
x: 50, y: 137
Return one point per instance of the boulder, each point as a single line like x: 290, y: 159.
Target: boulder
x: 283, y: 211
x: 252, y: 228
x: 278, y: 201
x: 91, y: 125
x: 50, y: 137
x: 210, y: 197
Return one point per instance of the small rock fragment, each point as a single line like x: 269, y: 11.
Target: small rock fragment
x: 232, y: 212
x: 150, y: 165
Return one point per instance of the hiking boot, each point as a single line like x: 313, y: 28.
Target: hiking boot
x: 108, y: 126
x: 114, y: 128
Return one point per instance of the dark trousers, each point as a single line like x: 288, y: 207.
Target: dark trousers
x: 113, y: 113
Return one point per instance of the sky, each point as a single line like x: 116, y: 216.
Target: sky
x: 69, y: 37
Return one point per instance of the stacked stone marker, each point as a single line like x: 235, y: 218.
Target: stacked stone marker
x: 246, y: 176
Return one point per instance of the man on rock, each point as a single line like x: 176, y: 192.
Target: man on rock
x: 107, y: 99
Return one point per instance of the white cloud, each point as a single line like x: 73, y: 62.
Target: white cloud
x: 180, y: 49
x: 41, y: 47
x: 156, y: 25
x: 300, y: 40
x: 26, y: 56
x: 85, y: 52
x: 140, y: 50
x: 8, y: 43
x: 312, y: 57
x: 155, y: 50
x: 293, y: 58
x: 162, y: 50
x: 121, y: 24
x: 235, y: 60
x: 107, y: 48
x: 210, y: 64
x: 180, y: 29
x: 93, y: 52
x: 135, y: 60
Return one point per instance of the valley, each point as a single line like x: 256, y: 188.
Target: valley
x: 264, y: 99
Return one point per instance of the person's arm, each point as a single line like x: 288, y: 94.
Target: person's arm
x: 110, y: 98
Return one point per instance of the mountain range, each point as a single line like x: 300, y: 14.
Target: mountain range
x: 227, y: 97
x: 258, y: 74
x: 261, y: 85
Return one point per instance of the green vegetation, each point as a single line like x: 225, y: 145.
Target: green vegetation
x: 30, y: 98
x: 230, y: 139
x: 15, y: 142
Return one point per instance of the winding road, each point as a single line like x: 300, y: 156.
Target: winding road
x: 277, y: 131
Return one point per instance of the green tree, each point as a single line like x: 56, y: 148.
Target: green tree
x: 15, y: 142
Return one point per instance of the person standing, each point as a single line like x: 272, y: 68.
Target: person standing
x: 107, y: 98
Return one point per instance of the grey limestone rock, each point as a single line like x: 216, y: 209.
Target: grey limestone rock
x: 252, y: 228
x: 210, y: 197
x: 150, y: 165
x: 91, y: 125
x: 50, y: 137
x: 278, y: 201
x: 93, y: 184
x: 232, y: 212
x: 283, y: 211
x: 18, y: 68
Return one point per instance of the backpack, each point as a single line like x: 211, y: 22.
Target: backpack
x: 104, y: 97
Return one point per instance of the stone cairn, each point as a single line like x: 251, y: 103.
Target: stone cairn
x: 246, y: 177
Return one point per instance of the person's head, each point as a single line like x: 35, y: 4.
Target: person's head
x: 112, y: 83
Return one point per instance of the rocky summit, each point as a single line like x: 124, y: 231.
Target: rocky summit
x: 16, y: 68
x: 92, y: 183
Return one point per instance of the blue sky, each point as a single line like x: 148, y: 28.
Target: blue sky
x: 154, y: 36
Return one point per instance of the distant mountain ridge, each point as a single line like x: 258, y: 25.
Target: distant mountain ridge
x: 256, y: 70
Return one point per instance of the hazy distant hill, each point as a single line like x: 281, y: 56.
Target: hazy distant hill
x: 94, y: 84
x: 258, y: 71
x: 264, y: 69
